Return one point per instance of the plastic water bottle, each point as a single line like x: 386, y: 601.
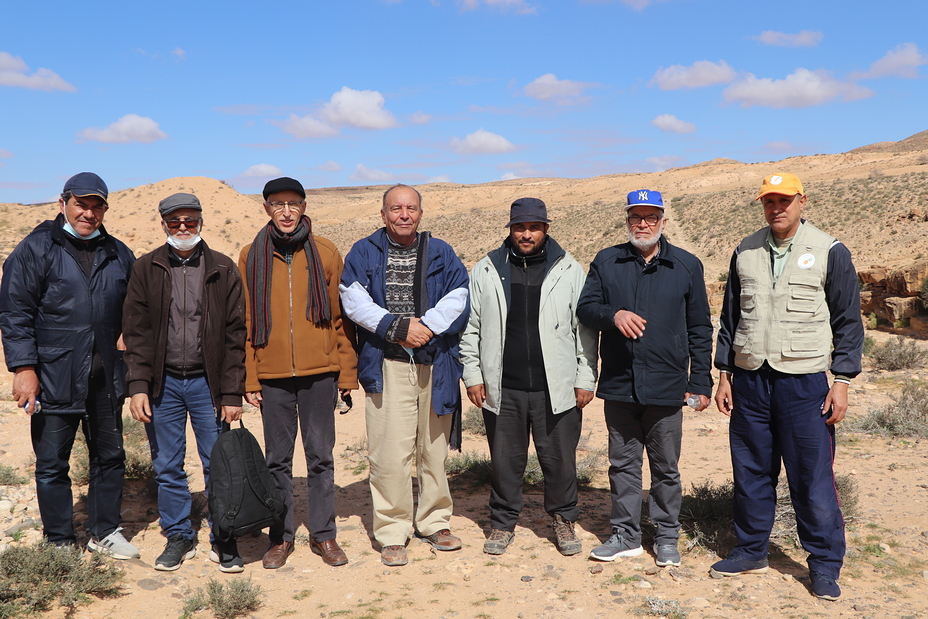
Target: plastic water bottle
x: 693, y: 401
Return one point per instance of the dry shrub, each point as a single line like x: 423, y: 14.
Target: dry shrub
x: 237, y: 598
x: 906, y: 416
x: 898, y: 354
x: 138, y: 454
x: 473, y: 422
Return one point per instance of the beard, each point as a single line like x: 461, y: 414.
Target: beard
x: 643, y: 244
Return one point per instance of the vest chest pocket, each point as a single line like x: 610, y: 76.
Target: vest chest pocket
x: 810, y: 341
x: 804, y: 295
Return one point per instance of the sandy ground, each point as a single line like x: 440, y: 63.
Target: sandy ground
x: 532, y: 579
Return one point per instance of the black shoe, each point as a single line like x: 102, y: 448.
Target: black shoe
x: 226, y: 555
x: 177, y: 551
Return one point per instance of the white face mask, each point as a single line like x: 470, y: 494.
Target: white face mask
x: 70, y: 230
x: 183, y: 244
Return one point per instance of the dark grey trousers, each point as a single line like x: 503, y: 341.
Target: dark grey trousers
x: 632, y: 428
x: 311, y: 401
x: 555, y: 437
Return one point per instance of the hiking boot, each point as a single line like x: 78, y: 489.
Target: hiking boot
x: 736, y: 564
x: 614, y: 547
x: 114, y: 545
x: 177, y: 550
x: 394, y: 556
x: 824, y: 587
x: 498, y: 541
x: 443, y: 540
x: 666, y: 554
x: 226, y: 555
x: 567, y: 541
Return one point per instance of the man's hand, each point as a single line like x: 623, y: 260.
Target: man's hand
x: 629, y: 324
x: 254, y: 398
x: 26, y: 387
x: 418, y: 334
x: 231, y: 413
x: 836, y: 403
x: 477, y: 395
x: 703, y: 400
x: 723, y: 397
x: 584, y: 397
x: 140, y: 407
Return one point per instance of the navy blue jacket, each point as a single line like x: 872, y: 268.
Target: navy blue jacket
x: 366, y: 267
x: 52, y: 315
x: 674, y: 354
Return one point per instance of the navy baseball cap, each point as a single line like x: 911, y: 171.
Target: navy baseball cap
x: 525, y: 210
x: 86, y: 184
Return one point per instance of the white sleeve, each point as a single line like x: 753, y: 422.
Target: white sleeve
x: 360, y: 307
x: 446, y: 311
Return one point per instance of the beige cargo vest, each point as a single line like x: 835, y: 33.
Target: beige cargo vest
x: 787, y: 324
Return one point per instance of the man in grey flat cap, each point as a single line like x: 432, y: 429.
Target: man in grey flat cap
x: 184, y: 327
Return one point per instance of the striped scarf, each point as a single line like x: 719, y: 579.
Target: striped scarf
x: 259, y: 268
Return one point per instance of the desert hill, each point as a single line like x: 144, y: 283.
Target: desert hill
x: 875, y: 199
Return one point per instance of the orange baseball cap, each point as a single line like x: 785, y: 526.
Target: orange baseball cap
x: 783, y: 183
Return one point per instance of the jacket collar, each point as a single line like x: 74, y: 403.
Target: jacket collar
x: 162, y: 257
x: 666, y: 255
x: 58, y: 235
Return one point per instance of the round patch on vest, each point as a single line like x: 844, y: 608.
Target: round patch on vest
x: 806, y: 261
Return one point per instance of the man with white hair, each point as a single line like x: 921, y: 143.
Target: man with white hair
x: 648, y: 370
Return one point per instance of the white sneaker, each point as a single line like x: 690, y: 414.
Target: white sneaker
x: 114, y: 545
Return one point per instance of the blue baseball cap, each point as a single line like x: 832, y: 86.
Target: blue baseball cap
x: 86, y: 184
x: 645, y: 197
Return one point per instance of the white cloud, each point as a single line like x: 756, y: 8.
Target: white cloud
x: 903, y: 61
x: 13, y: 73
x: 262, y: 170
x: 419, y: 118
x: 482, y: 142
x: 669, y: 122
x: 306, y: 127
x: 330, y: 166
x: 5, y: 154
x: 129, y: 128
x: 443, y: 178
x: 549, y: 88
x: 358, y: 108
x: 701, y: 73
x: 665, y: 162
x: 364, y: 173
x: 181, y: 54
x: 805, y: 38
x: 509, y: 176
x: 802, y: 88
x: 520, y: 7
x: 779, y: 146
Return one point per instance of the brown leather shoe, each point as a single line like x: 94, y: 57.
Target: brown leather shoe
x: 443, y: 540
x: 329, y: 550
x: 394, y: 556
x: 276, y: 555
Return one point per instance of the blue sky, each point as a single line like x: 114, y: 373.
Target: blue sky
x: 356, y: 92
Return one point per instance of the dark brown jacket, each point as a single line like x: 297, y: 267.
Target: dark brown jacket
x: 145, y: 325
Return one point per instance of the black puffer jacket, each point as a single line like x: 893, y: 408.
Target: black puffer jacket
x: 674, y: 354
x: 52, y: 314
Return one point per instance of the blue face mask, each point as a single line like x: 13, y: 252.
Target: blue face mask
x: 70, y: 230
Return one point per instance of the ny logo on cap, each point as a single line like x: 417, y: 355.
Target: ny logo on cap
x: 643, y: 195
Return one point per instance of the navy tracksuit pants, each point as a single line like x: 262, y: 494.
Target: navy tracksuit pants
x: 778, y: 416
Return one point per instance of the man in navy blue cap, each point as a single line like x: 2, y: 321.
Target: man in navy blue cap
x: 648, y: 300
x: 61, y: 303
x: 531, y: 366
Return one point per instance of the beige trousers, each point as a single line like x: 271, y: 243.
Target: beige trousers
x: 401, y: 425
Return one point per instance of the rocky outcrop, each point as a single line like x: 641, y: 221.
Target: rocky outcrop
x: 893, y: 295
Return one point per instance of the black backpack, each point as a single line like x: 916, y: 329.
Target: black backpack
x: 243, y: 497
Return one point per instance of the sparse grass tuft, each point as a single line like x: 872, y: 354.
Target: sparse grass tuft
x: 138, y: 454
x: 898, y: 354
x: 34, y: 579
x: 10, y: 476
x: 236, y: 598
x: 906, y: 416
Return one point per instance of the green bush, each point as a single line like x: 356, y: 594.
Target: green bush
x: 473, y: 422
x: 898, y: 354
x: 10, y: 476
x: 906, y: 416
x: 237, y: 598
x: 35, y: 578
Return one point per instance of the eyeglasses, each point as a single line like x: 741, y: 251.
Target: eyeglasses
x: 278, y: 207
x: 175, y: 224
x: 651, y: 220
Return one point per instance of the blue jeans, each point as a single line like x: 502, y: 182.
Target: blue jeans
x: 52, y: 440
x: 167, y: 435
